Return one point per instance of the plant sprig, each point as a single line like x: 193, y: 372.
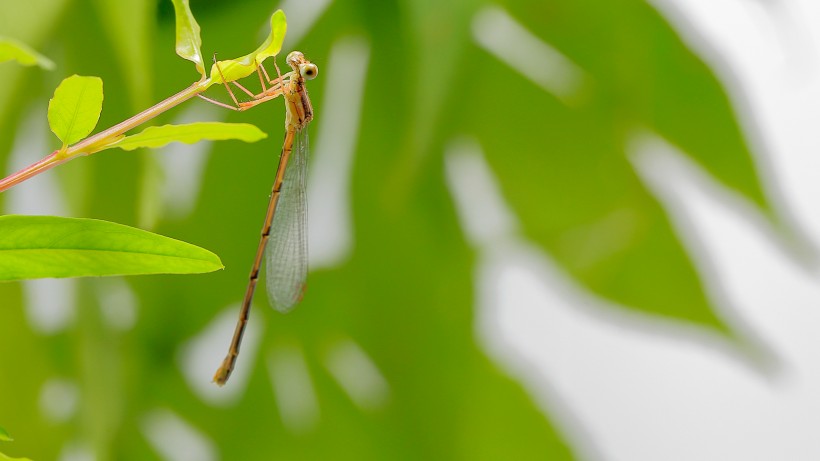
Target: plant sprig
x: 77, y: 103
x: 50, y: 246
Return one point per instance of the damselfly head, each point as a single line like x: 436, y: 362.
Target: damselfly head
x: 296, y: 60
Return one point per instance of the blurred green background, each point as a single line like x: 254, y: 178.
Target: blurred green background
x: 398, y: 311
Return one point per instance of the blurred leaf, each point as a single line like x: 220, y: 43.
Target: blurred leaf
x: 158, y: 136
x: 188, y: 38
x: 8, y: 458
x: 235, y: 69
x: 129, y: 26
x: 566, y: 172
x: 74, y: 110
x: 50, y: 246
x: 4, y: 437
x: 33, y: 25
x: 13, y: 50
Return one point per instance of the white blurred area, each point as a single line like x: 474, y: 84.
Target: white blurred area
x: 629, y: 388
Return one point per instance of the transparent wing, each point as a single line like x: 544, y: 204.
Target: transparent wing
x: 286, y: 252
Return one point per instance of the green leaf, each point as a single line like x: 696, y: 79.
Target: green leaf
x: 4, y: 437
x: 75, y: 108
x: 33, y: 25
x: 9, y: 458
x: 188, y: 38
x: 158, y: 136
x: 613, y: 236
x: 235, y: 69
x: 50, y: 246
x: 13, y: 50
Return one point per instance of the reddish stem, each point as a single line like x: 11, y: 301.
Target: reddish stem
x: 32, y: 170
x: 91, y: 144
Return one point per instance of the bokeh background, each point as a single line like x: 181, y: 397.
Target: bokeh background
x: 563, y: 229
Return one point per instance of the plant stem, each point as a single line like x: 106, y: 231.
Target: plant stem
x: 92, y: 144
x: 31, y: 171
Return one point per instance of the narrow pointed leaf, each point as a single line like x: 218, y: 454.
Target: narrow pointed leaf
x: 235, y: 69
x: 158, y: 136
x: 12, y: 50
x: 50, y: 246
x: 189, y: 41
x: 74, y: 110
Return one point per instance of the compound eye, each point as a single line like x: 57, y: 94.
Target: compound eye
x: 308, y: 71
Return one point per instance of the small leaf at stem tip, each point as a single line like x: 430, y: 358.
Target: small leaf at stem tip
x: 49, y: 246
x: 4, y: 436
x: 189, y: 41
x: 12, y: 50
x: 158, y: 136
x: 75, y: 108
x: 235, y: 69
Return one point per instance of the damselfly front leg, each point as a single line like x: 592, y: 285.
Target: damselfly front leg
x: 276, y: 89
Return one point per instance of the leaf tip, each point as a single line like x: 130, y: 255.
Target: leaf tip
x: 4, y: 436
x: 13, y: 50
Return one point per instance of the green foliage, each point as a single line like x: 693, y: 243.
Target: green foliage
x: 50, y: 246
x: 4, y: 437
x: 5, y: 457
x: 125, y: 28
x: 74, y: 110
x: 615, y: 239
x: 235, y: 69
x: 158, y: 136
x: 12, y: 50
x: 8, y: 458
x: 188, y: 39
x: 189, y: 44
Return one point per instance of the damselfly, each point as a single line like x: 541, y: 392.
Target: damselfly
x: 284, y: 232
